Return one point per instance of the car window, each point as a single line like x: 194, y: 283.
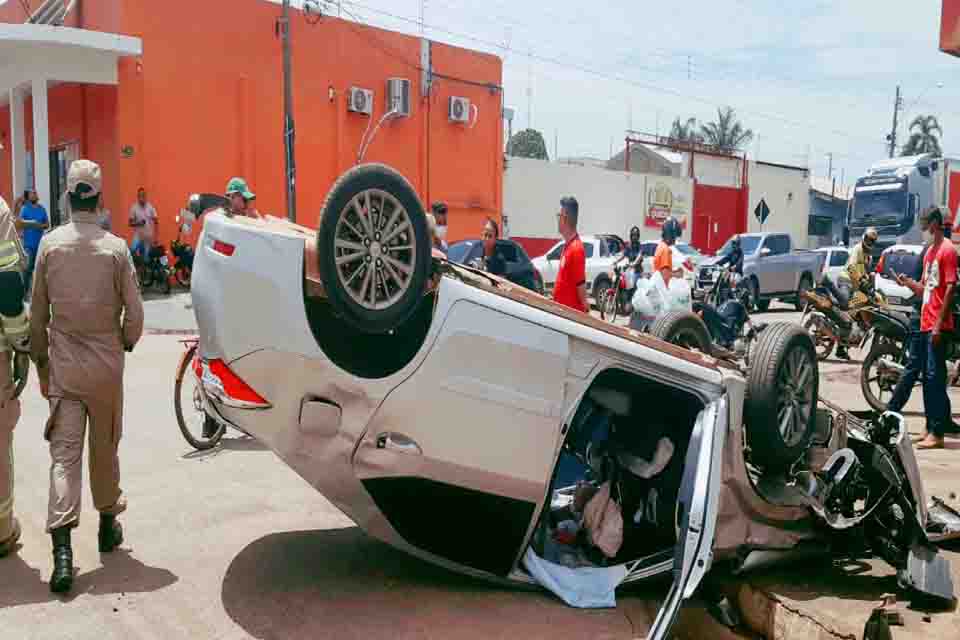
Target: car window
x: 604, y: 248
x: 459, y: 251
x: 838, y: 258
x: 778, y: 245
x: 555, y: 254
x: 648, y: 248
x: 614, y: 245
x: 588, y: 249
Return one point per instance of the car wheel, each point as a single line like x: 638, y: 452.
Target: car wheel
x: 183, y: 277
x: 146, y: 279
x: 782, y: 387
x: 684, y: 329
x: 374, y: 248
x: 877, y: 387
x: 165, y: 282
x: 806, y: 283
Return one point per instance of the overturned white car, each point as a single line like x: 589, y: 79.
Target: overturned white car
x: 482, y: 427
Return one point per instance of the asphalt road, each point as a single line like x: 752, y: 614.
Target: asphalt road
x: 232, y: 544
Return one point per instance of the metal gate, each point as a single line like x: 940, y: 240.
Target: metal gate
x: 718, y: 213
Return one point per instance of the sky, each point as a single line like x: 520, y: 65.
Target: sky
x: 809, y: 77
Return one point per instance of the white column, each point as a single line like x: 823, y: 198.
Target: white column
x: 18, y: 143
x: 41, y: 143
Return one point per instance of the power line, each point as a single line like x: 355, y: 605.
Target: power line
x: 618, y: 78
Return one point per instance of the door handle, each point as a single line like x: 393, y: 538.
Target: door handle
x: 399, y: 443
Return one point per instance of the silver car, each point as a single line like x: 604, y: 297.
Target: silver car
x: 454, y: 415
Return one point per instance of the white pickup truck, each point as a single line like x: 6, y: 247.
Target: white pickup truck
x: 772, y: 268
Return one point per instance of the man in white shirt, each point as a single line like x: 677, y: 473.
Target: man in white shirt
x: 143, y: 218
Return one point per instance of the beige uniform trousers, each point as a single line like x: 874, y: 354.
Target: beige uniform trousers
x: 9, y: 414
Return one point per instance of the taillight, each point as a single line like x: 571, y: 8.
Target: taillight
x: 880, y: 263
x: 221, y: 382
x: 223, y: 247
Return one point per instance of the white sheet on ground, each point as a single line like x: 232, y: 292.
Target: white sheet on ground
x: 585, y: 588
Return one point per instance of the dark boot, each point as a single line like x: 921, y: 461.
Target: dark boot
x: 111, y: 533
x: 62, y: 579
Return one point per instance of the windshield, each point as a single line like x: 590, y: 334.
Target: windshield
x: 459, y: 251
x: 686, y: 249
x: 748, y: 244
x: 878, y: 208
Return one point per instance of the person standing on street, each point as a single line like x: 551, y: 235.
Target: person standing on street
x: 143, y: 218
x: 570, y: 288
x: 440, y: 215
x: 936, y: 318
x: 14, y: 334
x: 34, y: 221
x: 86, y: 312
x: 663, y: 257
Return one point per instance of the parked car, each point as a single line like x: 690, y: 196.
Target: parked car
x: 520, y: 269
x: 899, y: 258
x: 772, y: 268
x: 685, y: 259
x: 834, y: 262
x: 601, y: 250
x: 433, y: 405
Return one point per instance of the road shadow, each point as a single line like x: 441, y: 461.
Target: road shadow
x: 341, y: 583
x: 239, y: 443
x: 120, y: 573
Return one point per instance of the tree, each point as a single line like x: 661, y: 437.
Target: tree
x: 528, y: 143
x: 726, y: 133
x: 685, y: 131
x: 925, y: 137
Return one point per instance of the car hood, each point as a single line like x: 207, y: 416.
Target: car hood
x: 709, y: 261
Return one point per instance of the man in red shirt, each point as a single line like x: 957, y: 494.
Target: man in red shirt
x: 570, y: 288
x: 937, y: 287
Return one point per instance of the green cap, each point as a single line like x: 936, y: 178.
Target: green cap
x: 239, y: 185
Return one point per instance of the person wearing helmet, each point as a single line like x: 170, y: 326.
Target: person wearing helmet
x: 634, y: 254
x: 663, y: 258
x: 78, y: 343
x: 241, y: 199
x: 855, y: 277
x: 734, y: 258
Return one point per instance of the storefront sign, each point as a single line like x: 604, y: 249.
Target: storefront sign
x: 664, y: 201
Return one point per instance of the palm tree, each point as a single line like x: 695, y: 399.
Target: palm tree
x: 685, y: 131
x: 926, y: 138
x: 726, y: 133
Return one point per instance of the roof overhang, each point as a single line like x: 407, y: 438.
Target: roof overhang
x: 60, y: 54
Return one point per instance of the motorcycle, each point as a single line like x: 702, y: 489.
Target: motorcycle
x: 831, y: 323
x: 889, y: 353
x: 724, y: 312
x: 183, y: 255
x: 156, y: 269
x: 616, y: 299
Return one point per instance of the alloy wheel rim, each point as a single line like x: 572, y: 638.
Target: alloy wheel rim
x: 795, y: 397
x: 375, y: 249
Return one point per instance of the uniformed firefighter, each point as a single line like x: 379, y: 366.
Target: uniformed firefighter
x: 14, y: 332
x: 86, y: 312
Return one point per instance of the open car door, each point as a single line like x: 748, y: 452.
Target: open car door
x: 696, y: 513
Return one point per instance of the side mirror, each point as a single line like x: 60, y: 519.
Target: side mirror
x: 765, y: 251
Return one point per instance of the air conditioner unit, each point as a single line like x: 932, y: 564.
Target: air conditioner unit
x: 459, y: 109
x: 361, y: 101
x: 398, y: 96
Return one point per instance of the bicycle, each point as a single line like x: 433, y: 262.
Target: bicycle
x: 199, y: 420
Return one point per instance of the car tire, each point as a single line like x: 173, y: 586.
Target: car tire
x: 782, y: 388
x: 806, y: 283
x: 374, y: 248
x: 684, y: 329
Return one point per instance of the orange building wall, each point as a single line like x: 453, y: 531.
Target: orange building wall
x: 204, y: 103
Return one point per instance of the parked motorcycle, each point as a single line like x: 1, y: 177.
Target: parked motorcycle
x: 616, y: 299
x: 832, y: 324
x: 889, y: 353
x: 156, y: 269
x: 183, y: 256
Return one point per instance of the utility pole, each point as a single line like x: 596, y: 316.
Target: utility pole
x: 893, y: 132
x: 288, y: 126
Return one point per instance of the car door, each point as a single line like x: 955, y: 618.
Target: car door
x: 459, y: 455
x: 838, y: 260
x: 698, y: 508
x: 770, y: 266
x: 553, y: 265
